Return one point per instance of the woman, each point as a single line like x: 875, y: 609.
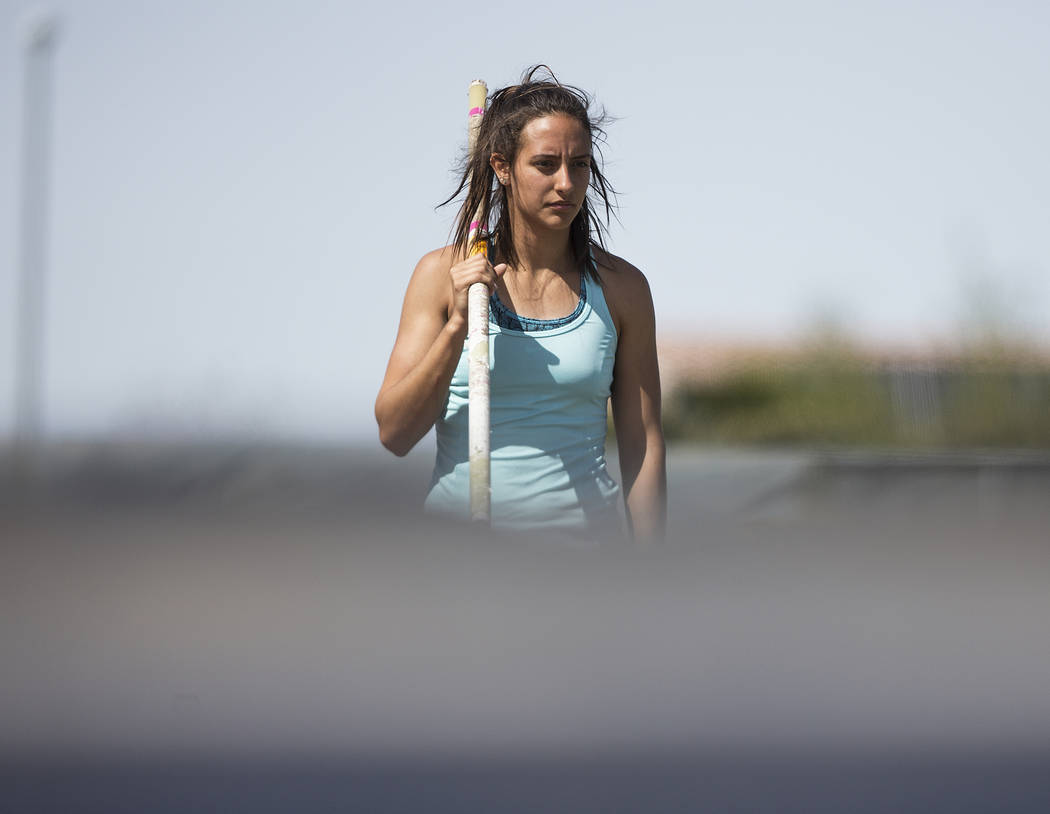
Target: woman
x: 570, y: 326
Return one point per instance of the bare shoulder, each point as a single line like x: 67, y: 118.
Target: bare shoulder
x: 428, y: 287
x: 435, y: 263
x: 625, y: 287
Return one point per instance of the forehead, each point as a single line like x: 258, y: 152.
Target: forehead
x: 556, y: 133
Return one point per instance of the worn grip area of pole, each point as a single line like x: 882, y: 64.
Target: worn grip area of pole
x: 478, y: 410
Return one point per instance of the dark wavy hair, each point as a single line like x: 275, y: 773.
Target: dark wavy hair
x: 509, y: 110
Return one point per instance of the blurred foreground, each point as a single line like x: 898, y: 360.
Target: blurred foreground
x: 275, y: 629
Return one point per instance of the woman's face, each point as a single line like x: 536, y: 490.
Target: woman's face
x: 548, y: 182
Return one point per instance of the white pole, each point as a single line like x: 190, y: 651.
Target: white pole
x: 40, y: 30
x: 478, y: 349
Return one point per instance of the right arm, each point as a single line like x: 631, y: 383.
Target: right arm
x: 428, y: 346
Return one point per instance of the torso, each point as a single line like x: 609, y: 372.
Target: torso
x: 551, y: 380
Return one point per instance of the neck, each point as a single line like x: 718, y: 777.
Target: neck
x: 539, y: 251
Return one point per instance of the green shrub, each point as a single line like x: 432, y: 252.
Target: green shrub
x: 843, y: 399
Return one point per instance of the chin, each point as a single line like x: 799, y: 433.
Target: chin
x: 559, y: 225
x: 565, y: 218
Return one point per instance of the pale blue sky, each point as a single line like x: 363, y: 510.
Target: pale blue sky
x: 241, y: 189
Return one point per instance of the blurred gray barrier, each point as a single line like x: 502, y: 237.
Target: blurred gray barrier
x: 821, y: 633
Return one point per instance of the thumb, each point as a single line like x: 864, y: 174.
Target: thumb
x: 500, y: 269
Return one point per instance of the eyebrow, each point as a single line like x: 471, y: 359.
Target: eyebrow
x: 558, y: 155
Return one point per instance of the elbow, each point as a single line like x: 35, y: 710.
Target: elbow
x: 397, y: 432
x: 396, y: 443
x: 389, y: 437
x: 397, y: 439
x: 399, y: 449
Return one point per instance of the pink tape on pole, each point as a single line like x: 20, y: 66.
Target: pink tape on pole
x: 476, y: 111
x: 475, y: 224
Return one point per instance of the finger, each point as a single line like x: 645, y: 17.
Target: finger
x: 468, y: 278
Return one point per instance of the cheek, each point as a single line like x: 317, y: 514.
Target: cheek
x: 526, y: 186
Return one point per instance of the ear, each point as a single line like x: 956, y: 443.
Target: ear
x: 501, y: 167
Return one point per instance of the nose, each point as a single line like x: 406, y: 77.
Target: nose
x: 563, y: 178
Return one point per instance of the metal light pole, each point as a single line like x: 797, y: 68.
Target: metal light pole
x: 40, y: 37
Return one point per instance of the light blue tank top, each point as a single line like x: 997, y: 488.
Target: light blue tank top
x: 549, y: 386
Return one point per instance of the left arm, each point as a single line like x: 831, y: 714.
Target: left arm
x: 636, y: 403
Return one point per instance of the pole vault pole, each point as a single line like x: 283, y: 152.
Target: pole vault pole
x: 478, y: 346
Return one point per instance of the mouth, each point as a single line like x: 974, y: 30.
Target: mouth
x: 562, y: 205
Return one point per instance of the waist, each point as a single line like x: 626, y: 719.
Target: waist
x: 533, y: 488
